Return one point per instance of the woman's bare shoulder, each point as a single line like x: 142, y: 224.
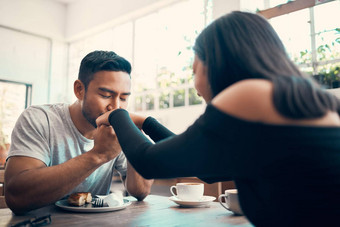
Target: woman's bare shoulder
x: 252, y: 100
x: 249, y: 99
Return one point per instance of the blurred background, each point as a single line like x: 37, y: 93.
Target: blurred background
x: 43, y: 41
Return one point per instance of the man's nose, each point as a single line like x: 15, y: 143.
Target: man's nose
x: 115, y: 104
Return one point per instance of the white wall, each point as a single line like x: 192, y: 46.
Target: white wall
x: 42, y: 17
x: 25, y: 58
x: 32, y: 47
x: 87, y: 16
x: 221, y: 7
x: 59, y: 89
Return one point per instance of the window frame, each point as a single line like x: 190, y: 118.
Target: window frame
x: 28, y: 95
x: 293, y: 6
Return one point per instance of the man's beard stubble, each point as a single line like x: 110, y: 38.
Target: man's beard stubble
x: 90, y: 120
x: 87, y: 114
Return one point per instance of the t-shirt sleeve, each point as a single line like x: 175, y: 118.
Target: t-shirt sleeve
x: 184, y: 155
x: 30, y: 136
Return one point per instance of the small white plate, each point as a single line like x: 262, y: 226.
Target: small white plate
x: 202, y: 202
x: 88, y: 208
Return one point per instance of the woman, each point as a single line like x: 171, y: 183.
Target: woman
x: 273, y: 132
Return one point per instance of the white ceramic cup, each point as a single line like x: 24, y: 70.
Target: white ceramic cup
x: 231, y: 201
x: 188, y: 191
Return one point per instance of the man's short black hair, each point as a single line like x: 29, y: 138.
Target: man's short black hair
x: 101, y: 61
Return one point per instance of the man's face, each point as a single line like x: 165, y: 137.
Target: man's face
x: 108, y: 90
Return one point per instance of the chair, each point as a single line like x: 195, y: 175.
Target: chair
x: 2, y: 195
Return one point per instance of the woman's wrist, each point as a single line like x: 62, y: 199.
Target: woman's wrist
x: 113, y: 113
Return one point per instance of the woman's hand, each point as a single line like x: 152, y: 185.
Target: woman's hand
x: 103, y: 119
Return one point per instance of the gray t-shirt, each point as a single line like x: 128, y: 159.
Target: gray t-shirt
x: 47, y: 133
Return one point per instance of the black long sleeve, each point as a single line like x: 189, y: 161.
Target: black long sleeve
x: 181, y: 155
x: 155, y: 130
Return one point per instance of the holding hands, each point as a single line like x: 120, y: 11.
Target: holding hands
x: 106, y: 144
x: 104, y: 119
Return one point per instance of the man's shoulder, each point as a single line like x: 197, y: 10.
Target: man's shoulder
x: 48, y: 107
x: 46, y: 111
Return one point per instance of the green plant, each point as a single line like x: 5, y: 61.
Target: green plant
x: 328, y: 74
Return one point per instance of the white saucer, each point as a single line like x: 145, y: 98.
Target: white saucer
x: 184, y: 203
x: 88, y: 208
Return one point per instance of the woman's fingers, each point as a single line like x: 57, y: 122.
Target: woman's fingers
x: 103, y: 119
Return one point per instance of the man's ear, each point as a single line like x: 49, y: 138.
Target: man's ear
x: 79, y: 89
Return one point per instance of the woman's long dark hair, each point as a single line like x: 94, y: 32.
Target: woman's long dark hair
x: 243, y: 45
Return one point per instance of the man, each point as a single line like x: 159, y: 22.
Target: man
x: 57, y: 149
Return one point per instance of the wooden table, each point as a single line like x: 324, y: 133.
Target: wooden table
x: 153, y: 211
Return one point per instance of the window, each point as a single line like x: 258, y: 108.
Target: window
x: 296, y: 39
x: 163, y: 56
x: 310, y: 32
x: 14, y: 98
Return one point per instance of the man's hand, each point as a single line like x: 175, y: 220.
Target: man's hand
x: 106, y: 145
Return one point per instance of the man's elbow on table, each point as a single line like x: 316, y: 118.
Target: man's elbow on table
x: 14, y: 203
x: 141, y: 197
x: 19, y: 200
x: 140, y: 192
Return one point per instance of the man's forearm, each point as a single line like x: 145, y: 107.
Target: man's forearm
x: 136, y: 185
x: 36, y: 187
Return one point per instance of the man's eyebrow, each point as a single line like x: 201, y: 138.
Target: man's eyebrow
x: 111, y: 91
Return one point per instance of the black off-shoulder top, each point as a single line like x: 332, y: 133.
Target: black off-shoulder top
x: 285, y: 175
